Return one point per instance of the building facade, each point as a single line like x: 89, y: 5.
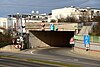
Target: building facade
x: 76, y: 12
x: 18, y: 21
x: 3, y: 24
x: 62, y: 12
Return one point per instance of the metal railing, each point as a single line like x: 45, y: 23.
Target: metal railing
x: 95, y: 39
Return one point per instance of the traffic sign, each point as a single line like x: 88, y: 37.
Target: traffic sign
x: 86, y: 39
x: 17, y: 46
x: 72, y: 41
x: 52, y: 27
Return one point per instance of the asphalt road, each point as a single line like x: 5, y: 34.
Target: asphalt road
x: 6, y: 62
x: 62, y: 55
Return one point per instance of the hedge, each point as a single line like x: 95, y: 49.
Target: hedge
x: 2, y: 44
x: 5, y: 40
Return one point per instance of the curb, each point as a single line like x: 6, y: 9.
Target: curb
x: 89, y: 50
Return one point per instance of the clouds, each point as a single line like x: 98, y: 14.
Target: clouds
x: 26, y: 6
x: 92, y: 3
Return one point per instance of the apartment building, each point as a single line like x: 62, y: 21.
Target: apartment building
x: 87, y: 13
x: 62, y: 12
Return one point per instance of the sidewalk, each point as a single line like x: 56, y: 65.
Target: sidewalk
x: 93, y: 52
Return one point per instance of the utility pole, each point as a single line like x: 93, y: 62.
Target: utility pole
x: 21, y: 28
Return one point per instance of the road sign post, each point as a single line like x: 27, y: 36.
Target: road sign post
x: 87, y: 42
x: 72, y: 43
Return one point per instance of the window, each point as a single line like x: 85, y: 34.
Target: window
x: 0, y: 24
x: 4, y: 24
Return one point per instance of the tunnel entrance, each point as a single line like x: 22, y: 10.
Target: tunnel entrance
x: 54, y: 38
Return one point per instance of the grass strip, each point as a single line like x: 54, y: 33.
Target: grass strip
x: 55, y: 63
x: 42, y: 61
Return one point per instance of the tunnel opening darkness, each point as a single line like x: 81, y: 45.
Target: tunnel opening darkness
x: 55, y: 38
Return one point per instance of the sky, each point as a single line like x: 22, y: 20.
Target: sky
x: 43, y: 6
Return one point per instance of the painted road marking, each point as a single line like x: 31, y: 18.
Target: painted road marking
x: 32, y: 51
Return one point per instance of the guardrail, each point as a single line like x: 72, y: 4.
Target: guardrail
x: 95, y: 39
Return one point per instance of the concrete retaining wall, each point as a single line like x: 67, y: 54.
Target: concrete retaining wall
x: 34, y: 42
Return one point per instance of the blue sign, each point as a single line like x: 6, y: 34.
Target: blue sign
x: 52, y: 27
x: 86, y: 39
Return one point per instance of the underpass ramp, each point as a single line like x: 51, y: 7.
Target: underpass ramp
x: 85, y: 30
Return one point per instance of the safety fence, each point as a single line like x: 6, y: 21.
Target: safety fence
x: 95, y: 39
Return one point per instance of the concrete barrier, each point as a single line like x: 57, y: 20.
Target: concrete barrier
x: 94, y: 49
x: 90, y: 53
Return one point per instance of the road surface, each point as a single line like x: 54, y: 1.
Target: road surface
x: 62, y: 55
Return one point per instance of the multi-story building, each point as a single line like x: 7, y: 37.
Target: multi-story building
x: 16, y: 21
x: 76, y: 12
x: 63, y: 12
